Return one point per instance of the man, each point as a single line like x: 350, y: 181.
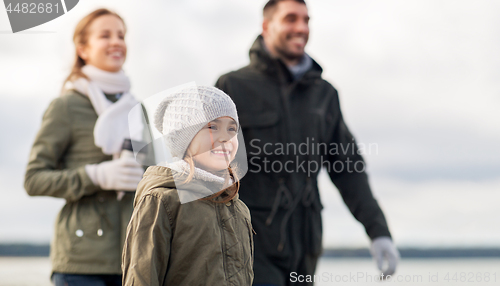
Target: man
x: 293, y: 125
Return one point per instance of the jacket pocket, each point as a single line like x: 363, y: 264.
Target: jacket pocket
x: 85, y: 235
x: 262, y: 134
x: 258, y: 119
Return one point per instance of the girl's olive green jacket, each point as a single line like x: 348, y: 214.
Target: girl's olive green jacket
x: 196, y: 243
x: 90, y: 228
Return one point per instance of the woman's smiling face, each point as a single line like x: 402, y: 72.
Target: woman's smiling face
x: 215, y: 145
x: 105, y: 47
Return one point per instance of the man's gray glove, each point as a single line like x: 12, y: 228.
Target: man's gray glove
x: 383, y: 248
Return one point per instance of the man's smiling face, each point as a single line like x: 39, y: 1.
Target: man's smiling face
x: 286, y: 32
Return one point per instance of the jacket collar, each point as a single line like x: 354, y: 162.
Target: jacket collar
x: 261, y: 60
x: 162, y: 177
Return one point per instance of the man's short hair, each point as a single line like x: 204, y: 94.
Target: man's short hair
x: 270, y: 7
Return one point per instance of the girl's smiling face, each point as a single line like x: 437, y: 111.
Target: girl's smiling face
x: 215, y: 145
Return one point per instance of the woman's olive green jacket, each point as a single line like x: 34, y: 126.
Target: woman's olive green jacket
x: 90, y: 228
x: 196, y: 243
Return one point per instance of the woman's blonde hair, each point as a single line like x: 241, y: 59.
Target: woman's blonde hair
x: 226, y: 194
x: 80, y: 37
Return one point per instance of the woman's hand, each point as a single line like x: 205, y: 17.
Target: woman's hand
x: 123, y: 174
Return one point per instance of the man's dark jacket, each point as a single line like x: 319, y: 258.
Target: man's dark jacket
x: 277, y: 114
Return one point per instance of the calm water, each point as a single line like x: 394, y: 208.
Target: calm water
x: 411, y: 272
x: 31, y: 271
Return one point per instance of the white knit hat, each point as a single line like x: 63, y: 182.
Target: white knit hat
x: 182, y: 114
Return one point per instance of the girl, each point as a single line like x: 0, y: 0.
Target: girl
x: 72, y: 157
x: 175, y: 236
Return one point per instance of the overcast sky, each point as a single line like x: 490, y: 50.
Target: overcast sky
x: 418, y: 78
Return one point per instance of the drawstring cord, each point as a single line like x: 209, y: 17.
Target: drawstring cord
x: 102, y: 215
x: 277, y: 200
x: 307, y: 199
x: 284, y: 223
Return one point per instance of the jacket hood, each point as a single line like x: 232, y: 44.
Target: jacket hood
x: 155, y: 177
x: 263, y: 61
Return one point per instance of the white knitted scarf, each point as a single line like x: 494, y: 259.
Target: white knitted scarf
x: 182, y: 166
x: 188, y: 194
x: 112, y: 125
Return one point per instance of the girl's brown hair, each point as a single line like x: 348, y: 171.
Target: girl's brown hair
x: 80, y: 37
x: 224, y: 195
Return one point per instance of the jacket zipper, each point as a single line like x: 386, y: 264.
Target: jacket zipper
x: 223, y: 239
x: 286, y: 91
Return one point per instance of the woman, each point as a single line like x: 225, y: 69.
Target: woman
x: 76, y: 156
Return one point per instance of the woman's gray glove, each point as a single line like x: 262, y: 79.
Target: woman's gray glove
x: 383, y: 248
x: 123, y: 174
